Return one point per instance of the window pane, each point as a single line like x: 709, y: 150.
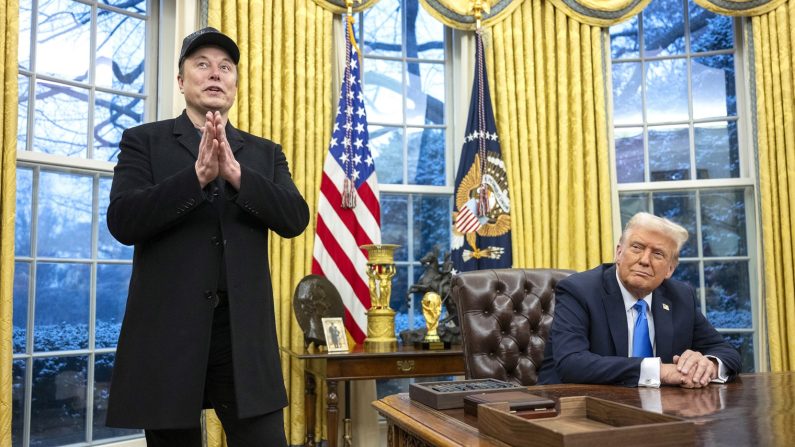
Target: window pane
x: 112, y: 283
x: 138, y: 6
x: 688, y: 272
x: 745, y: 344
x: 426, y: 156
x: 666, y: 90
x: 624, y: 41
x: 65, y: 212
x: 714, y: 93
x: 631, y: 204
x: 728, y: 294
x: 723, y: 223
x: 58, y: 406
x: 669, y: 153
x: 63, y: 40
x: 383, y: 91
x: 103, y: 367
x: 428, y: 31
x: 432, y: 215
x: 112, y: 115
x: 23, y: 46
x: 23, y: 212
x: 709, y: 31
x: 60, y: 122
x: 61, y: 318
x: 679, y: 207
x: 386, y: 144
x: 425, y: 94
x: 21, y: 296
x: 663, y: 28
x: 22, y: 113
x: 17, y: 402
x: 627, y: 106
x: 629, y: 154
x: 394, y: 223
x: 418, y: 320
x: 107, y: 246
x: 382, y: 29
x: 398, y: 301
x: 121, y: 45
x: 717, y: 150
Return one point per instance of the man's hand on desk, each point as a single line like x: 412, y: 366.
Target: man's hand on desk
x: 689, y: 370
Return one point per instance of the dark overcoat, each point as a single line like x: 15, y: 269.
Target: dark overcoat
x: 181, y: 237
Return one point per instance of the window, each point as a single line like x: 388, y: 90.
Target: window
x: 405, y: 86
x: 680, y: 152
x: 83, y: 79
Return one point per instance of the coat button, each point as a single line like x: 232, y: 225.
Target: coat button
x: 208, y: 294
x: 215, y: 240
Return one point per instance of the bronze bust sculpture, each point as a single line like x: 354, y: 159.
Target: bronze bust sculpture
x: 316, y: 297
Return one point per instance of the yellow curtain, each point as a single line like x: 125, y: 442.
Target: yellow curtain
x: 548, y: 73
x: 9, y: 35
x: 285, y: 94
x: 773, y: 56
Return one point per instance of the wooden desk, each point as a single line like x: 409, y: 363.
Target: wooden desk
x: 755, y: 410
x: 359, y: 364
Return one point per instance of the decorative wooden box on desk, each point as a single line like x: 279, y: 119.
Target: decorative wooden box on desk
x: 585, y: 421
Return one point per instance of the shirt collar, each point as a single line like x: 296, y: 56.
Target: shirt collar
x: 630, y: 300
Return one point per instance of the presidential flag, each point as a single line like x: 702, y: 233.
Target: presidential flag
x: 481, y: 235
x: 349, y: 214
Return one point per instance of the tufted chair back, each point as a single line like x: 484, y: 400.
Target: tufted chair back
x: 505, y: 318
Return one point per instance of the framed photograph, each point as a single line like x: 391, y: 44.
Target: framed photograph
x: 334, y: 329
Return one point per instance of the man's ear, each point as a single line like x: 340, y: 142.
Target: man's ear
x: 180, y: 82
x: 672, y: 268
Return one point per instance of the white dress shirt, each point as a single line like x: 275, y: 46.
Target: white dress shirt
x: 650, y: 366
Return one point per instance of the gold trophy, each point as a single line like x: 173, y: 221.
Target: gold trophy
x: 380, y: 317
x: 431, y: 310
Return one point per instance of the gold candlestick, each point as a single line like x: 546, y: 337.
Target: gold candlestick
x: 380, y: 317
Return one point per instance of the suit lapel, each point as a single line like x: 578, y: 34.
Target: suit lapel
x: 616, y: 313
x: 663, y: 326
x: 187, y: 135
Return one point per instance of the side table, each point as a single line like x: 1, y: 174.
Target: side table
x: 359, y: 364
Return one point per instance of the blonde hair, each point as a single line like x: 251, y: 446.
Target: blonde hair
x: 676, y: 232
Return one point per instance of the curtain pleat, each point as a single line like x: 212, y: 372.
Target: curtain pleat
x: 773, y: 56
x: 339, y: 6
x: 285, y: 94
x: 548, y: 73
x: 9, y: 104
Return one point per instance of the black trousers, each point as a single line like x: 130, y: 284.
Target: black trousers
x: 219, y: 390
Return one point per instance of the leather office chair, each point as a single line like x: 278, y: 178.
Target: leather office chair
x: 505, y: 317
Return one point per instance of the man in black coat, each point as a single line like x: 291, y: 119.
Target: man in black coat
x: 197, y: 197
x: 629, y: 323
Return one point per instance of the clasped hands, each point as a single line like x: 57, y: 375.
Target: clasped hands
x: 215, y: 155
x: 689, y: 370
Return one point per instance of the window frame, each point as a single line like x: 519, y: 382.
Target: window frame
x: 747, y: 178
x: 39, y: 162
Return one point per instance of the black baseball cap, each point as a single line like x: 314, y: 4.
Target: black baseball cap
x: 208, y: 36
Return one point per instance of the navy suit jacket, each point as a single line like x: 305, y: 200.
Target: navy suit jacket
x: 588, y: 342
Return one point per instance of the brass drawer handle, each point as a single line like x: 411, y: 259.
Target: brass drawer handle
x: 405, y: 365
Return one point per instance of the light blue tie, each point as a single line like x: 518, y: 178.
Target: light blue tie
x: 641, y: 344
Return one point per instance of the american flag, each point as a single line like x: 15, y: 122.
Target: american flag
x: 481, y: 236
x: 349, y: 214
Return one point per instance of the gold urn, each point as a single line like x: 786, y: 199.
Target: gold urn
x: 380, y: 317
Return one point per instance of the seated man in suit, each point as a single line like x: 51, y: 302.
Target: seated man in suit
x: 628, y: 323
